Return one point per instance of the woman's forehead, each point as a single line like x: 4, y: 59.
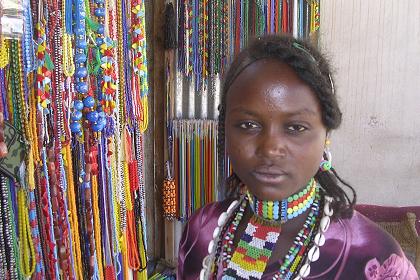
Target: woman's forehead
x: 272, y: 85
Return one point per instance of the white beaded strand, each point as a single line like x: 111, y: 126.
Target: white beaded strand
x: 221, y: 221
x: 319, y: 241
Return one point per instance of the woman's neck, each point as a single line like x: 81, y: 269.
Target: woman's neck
x: 286, y: 209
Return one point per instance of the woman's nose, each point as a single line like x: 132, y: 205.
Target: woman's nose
x: 272, y: 144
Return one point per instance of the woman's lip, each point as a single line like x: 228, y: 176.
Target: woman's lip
x: 269, y: 178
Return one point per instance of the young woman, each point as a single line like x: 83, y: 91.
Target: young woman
x: 286, y: 216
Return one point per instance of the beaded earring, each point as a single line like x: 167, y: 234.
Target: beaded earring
x: 326, y: 161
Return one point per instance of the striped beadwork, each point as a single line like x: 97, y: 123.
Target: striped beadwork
x: 253, y: 251
x: 287, y: 208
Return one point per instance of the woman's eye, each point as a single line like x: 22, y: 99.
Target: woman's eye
x: 248, y: 125
x: 296, y: 128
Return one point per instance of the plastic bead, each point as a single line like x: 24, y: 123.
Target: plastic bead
x: 75, y: 127
x: 80, y: 30
x: 76, y: 116
x: 81, y: 44
x: 101, y: 29
x: 89, y: 102
x: 82, y: 87
x: 80, y: 58
x: 102, y: 121
x: 99, y: 41
x: 92, y: 116
x: 78, y: 105
x: 97, y: 127
x: 81, y: 72
x: 100, y: 12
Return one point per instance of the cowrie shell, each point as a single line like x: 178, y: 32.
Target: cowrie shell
x: 222, y: 219
x: 211, y: 247
x: 313, y: 254
x: 216, y: 232
x: 319, y: 239
x: 328, y: 210
x: 305, y: 270
x: 202, y: 274
x: 232, y: 205
x: 325, y: 223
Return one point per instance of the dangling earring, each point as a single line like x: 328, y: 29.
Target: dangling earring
x: 326, y: 161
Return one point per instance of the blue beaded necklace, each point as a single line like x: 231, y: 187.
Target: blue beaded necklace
x: 81, y: 73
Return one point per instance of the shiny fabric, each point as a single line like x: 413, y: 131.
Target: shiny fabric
x: 355, y: 248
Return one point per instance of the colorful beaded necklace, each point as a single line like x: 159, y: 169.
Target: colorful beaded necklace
x: 296, y: 263
x: 285, y: 209
x: 259, y: 239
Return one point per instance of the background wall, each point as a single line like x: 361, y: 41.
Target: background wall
x: 374, y: 47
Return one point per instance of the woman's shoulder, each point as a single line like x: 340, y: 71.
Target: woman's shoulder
x: 209, y: 212
x: 359, y: 247
x: 196, y: 237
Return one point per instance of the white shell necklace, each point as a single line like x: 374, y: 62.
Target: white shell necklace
x: 312, y: 256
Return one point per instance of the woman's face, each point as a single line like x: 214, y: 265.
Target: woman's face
x: 274, y: 131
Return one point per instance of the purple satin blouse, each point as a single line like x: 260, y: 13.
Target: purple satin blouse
x: 355, y: 248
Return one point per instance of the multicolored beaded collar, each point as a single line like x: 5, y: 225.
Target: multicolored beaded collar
x: 285, y: 209
x: 249, y: 259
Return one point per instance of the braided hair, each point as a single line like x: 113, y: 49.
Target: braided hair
x: 314, y: 70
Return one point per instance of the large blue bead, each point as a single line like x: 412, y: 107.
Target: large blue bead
x: 97, y: 127
x: 100, y: 12
x: 92, y: 116
x: 99, y: 1
x: 89, y: 102
x: 80, y: 58
x: 75, y: 127
x: 101, y: 29
x: 81, y: 72
x: 76, y: 115
x: 78, y: 105
x: 102, y: 121
x: 99, y: 41
x: 81, y: 44
x: 79, y: 30
x: 82, y: 87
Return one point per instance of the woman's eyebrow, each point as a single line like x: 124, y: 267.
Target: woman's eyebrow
x: 291, y: 113
x: 304, y: 111
x: 243, y: 110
